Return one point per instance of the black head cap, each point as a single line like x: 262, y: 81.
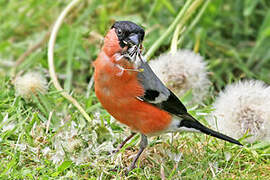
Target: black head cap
x: 128, y: 32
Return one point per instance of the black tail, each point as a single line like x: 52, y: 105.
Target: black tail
x: 190, y: 122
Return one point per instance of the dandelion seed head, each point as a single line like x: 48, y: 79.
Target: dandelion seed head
x: 176, y: 157
x: 243, y: 108
x: 83, y: 157
x: 21, y: 147
x: 30, y: 83
x: 72, y: 144
x: 58, y: 157
x: 70, y: 174
x: 46, y: 151
x: 65, y: 141
x: 181, y: 72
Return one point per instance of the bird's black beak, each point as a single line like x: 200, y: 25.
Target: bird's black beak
x: 134, y: 39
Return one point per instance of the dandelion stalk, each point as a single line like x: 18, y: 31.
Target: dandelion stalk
x: 180, y: 28
x: 175, y: 39
x: 53, y: 76
x: 195, y: 21
x: 157, y: 44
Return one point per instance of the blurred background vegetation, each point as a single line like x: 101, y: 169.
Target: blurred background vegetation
x: 233, y: 36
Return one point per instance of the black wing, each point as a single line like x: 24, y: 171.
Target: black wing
x: 160, y: 96
x: 157, y: 94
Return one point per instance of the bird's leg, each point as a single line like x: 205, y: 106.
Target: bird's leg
x: 143, y: 145
x: 124, y: 142
x: 121, y: 145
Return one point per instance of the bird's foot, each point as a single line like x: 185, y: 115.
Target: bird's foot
x: 130, y: 168
x: 126, y: 170
x: 115, y: 169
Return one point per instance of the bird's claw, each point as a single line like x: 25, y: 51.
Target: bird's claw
x: 126, y: 170
x: 115, y: 151
x: 115, y: 169
x: 130, y: 168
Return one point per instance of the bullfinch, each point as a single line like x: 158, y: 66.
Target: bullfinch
x: 129, y: 90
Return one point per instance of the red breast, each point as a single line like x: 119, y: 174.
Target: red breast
x: 117, y: 93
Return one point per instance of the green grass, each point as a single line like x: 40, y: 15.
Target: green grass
x: 234, y: 37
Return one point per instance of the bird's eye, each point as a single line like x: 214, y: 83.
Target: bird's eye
x: 119, y: 32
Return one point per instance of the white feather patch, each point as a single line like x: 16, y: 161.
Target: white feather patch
x: 162, y: 97
x: 174, y: 126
